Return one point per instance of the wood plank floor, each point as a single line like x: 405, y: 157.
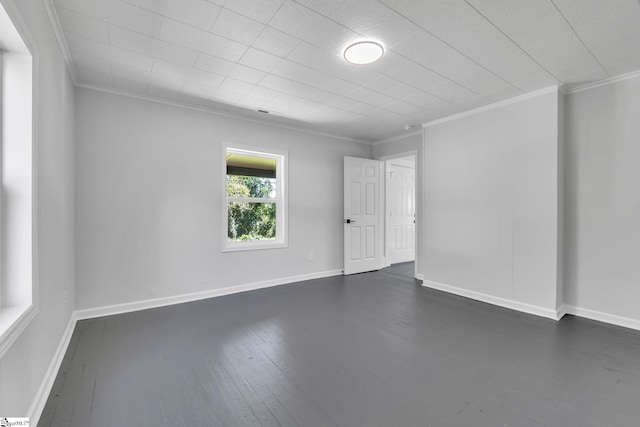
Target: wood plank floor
x: 372, y: 349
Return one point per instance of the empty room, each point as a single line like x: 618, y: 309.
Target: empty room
x: 320, y: 213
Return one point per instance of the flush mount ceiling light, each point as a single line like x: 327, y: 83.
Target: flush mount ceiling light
x: 363, y: 52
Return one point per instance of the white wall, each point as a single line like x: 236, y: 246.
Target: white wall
x: 602, y: 219
x: 491, y: 204
x: 23, y: 366
x: 148, y: 196
x: 398, y: 146
x: 561, y: 194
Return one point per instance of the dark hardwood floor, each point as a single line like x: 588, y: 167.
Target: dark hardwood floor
x: 406, y: 269
x: 373, y: 349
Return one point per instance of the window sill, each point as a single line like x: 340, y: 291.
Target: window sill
x: 253, y: 246
x: 14, y: 320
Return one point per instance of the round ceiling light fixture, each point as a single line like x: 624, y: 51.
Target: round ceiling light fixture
x: 363, y: 52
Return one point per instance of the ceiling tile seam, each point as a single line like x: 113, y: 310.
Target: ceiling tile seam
x: 417, y: 106
x: 62, y: 41
x: 580, y: 38
x: 513, y: 41
x: 107, y: 20
x: 225, y: 79
x: 350, y: 29
x: 454, y: 48
x: 332, y: 106
x: 111, y: 24
x: 300, y: 41
x: 218, y: 17
x: 268, y: 24
x: 245, y: 16
x: 317, y: 11
x: 441, y: 75
x: 75, y: 11
x: 439, y: 97
x: 146, y: 88
x: 200, y: 54
x: 412, y: 105
x: 110, y: 45
x: 223, y: 6
x: 304, y: 41
x: 314, y: 87
x: 166, y: 101
x: 257, y: 84
x: 351, y: 99
x: 346, y: 95
x: 384, y: 94
x: 165, y: 60
x: 168, y: 18
x: 153, y: 67
x: 446, y: 78
x: 164, y: 5
x: 278, y: 90
x: 71, y: 64
x: 83, y: 36
x: 330, y: 19
x: 265, y: 26
x: 410, y: 59
x: 253, y: 68
x: 157, y: 36
x: 376, y: 91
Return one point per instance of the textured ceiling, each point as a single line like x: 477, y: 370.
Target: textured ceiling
x: 442, y: 56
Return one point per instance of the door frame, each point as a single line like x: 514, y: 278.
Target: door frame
x: 418, y: 190
x: 387, y: 227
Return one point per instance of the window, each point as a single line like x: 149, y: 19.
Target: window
x: 17, y: 290
x: 254, y: 208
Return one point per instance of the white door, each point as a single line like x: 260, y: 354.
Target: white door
x: 401, y: 210
x: 362, y: 215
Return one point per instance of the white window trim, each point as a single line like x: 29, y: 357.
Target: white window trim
x: 281, y: 200
x: 15, y: 317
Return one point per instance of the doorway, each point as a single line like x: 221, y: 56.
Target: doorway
x: 400, y: 209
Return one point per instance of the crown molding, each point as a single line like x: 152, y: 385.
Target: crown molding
x: 64, y: 48
x: 563, y: 89
x: 493, y: 106
x: 62, y: 43
x: 217, y: 112
x: 397, y: 137
x: 605, y: 82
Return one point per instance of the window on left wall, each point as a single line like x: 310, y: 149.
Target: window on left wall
x: 17, y: 290
x: 254, y: 208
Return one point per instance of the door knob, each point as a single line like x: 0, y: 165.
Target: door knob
x: 349, y: 221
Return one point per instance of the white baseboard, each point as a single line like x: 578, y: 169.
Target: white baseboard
x: 561, y: 311
x: 600, y: 316
x: 196, y: 296
x: 420, y: 276
x: 35, y: 411
x: 490, y: 299
x: 37, y: 406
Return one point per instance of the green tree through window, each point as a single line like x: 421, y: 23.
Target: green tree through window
x: 251, y: 220
x: 255, y: 208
